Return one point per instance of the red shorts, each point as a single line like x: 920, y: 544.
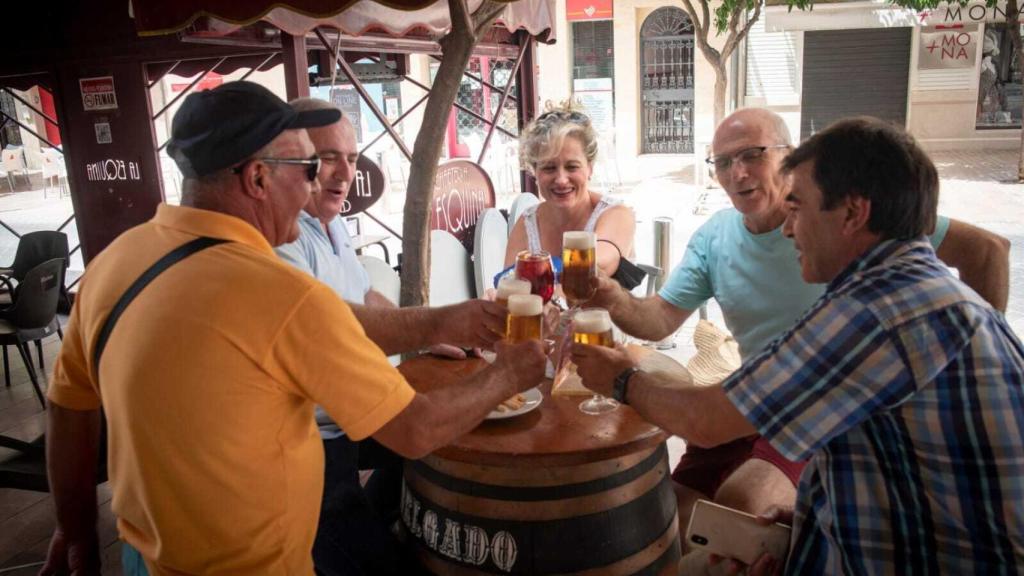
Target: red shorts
x: 705, y: 469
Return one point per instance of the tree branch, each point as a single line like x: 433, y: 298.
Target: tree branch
x: 700, y: 30
x: 706, y: 23
x: 485, y: 16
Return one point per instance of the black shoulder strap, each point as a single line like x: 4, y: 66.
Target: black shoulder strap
x: 170, y: 259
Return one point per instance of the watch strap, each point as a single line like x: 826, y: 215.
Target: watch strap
x: 622, y: 384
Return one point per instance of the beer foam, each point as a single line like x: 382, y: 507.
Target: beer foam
x: 578, y: 240
x: 508, y: 286
x: 525, y: 305
x: 593, y: 321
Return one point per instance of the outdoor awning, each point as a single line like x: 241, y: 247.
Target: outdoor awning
x: 354, y: 18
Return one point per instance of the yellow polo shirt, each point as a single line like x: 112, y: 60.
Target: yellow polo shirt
x: 208, y: 384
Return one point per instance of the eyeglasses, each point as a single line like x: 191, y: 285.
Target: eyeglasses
x: 563, y: 115
x: 312, y: 164
x: 747, y: 156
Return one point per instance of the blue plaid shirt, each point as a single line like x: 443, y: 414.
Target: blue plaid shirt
x: 905, y: 389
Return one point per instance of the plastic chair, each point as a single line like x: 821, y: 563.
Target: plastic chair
x: 35, y: 248
x: 451, y: 273
x: 53, y: 167
x: 14, y: 161
x: 383, y: 278
x: 32, y: 317
x: 519, y: 205
x: 489, y: 242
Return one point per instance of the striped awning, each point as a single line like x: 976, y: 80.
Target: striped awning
x: 353, y: 17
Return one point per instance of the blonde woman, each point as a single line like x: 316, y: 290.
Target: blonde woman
x: 559, y: 149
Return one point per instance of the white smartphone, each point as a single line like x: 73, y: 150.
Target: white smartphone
x: 735, y: 534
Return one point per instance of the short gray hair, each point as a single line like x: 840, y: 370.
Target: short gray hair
x: 306, y: 103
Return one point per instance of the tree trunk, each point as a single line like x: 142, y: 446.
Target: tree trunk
x: 721, y: 85
x: 457, y: 47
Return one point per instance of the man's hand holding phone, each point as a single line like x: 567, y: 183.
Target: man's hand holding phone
x: 762, y: 542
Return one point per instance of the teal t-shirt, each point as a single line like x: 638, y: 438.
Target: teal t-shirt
x: 754, y: 277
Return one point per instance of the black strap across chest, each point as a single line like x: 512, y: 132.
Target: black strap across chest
x: 170, y: 259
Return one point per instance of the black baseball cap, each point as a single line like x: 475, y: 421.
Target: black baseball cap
x: 216, y: 129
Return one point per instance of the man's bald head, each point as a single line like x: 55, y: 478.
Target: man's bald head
x: 764, y: 122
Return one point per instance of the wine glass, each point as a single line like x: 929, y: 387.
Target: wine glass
x: 579, y: 267
x: 536, y: 268
x: 594, y: 326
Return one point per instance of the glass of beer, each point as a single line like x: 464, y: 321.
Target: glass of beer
x: 507, y: 286
x: 579, y: 267
x: 594, y: 326
x: 525, y: 318
x: 535, y: 268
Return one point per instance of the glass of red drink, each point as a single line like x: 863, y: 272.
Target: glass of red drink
x: 535, y: 268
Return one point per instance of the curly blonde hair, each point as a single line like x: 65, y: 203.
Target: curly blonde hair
x: 544, y: 137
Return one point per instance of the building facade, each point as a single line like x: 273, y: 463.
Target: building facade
x: 635, y: 67
x: 948, y: 75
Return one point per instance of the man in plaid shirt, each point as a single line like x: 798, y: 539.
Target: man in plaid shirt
x: 902, y: 385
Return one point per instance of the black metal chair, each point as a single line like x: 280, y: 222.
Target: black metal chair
x: 35, y: 248
x: 32, y: 317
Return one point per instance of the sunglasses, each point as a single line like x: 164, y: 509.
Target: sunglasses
x: 562, y: 115
x: 312, y: 164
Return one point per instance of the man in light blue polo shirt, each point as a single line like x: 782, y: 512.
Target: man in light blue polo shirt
x: 352, y: 535
x: 741, y: 259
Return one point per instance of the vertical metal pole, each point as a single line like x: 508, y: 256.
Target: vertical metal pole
x: 663, y: 260
x: 662, y: 248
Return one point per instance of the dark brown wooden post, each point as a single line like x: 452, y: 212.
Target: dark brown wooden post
x: 110, y: 153
x: 526, y: 84
x: 296, y: 66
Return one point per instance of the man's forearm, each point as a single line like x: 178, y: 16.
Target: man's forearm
x: 72, y: 451
x: 398, y: 330
x: 647, y: 318
x: 436, y: 418
x: 701, y: 415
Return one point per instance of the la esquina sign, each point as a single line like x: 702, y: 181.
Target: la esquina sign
x: 462, y: 190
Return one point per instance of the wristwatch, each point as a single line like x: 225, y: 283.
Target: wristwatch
x: 621, y: 383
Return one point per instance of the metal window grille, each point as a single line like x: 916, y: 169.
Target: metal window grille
x: 666, y: 81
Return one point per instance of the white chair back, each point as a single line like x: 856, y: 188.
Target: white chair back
x: 489, y: 242
x: 451, y: 273
x: 53, y: 163
x: 14, y: 159
x: 383, y: 278
x: 519, y: 205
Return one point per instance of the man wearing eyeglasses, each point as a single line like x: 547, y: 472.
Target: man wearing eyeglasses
x: 742, y: 260
x: 211, y: 374
x: 353, y: 536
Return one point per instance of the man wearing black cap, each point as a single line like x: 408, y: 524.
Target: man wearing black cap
x: 208, y: 377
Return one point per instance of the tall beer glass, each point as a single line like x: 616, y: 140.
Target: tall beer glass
x: 579, y: 267
x: 507, y: 286
x: 594, y: 326
x: 535, y: 268
x: 525, y: 318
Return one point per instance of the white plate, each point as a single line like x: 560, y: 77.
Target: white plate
x: 533, y: 399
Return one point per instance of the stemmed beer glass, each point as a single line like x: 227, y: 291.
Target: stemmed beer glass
x: 594, y: 326
x: 579, y: 267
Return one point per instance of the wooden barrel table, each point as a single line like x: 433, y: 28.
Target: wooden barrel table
x: 552, y: 491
